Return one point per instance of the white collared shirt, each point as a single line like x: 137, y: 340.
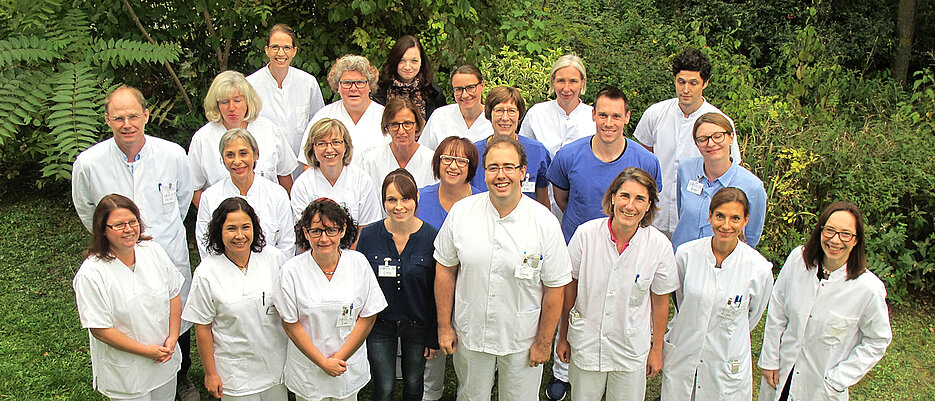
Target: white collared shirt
x: 448, y: 121
x: 270, y: 202
x: 495, y: 311
x: 275, y: 153
x: 249, y: 342
x: 833, y: 331
x: 610, y: 325
x: 353, y: 189
x: 548, y: 123
x: 380, y: 161
x: 665, y: 128
x: 708, y: 343
x: 365, y: 135
x: 290, y: 107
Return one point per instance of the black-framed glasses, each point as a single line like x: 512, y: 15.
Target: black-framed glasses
x: 469, y: 88
x: 829, y: 233
x: 316, y: 232
x: 717, y: 137
x: 277, y: 48
x: 360, y: 83
x: 507, y: 168
x: 407, y: 125
x: 334, y: 144
x: 123, y: 225
x: 459, y: 161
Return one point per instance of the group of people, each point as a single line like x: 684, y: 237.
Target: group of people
x: 391, y: 229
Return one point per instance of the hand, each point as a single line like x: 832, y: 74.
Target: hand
x: 654, y: 362
x: 158, y: 354
x: 334, y: 367
x: 539, y: 353
x: 771, y: 376
x: 170, y: 345
x: 430, y: 353
x: 213, y: 384
x: 447, y: 340
x: 563, y: 349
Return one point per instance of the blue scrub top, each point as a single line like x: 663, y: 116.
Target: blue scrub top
x: 586, y: 178
x: 693, y: 208
x: 537, y: 164
x: 430, y: 209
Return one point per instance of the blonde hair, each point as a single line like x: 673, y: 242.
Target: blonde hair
x: 321, y: 129
x: 223, y: 87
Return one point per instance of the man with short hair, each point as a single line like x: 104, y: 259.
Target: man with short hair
x: 666, y: 130
x: 500, y: 272
x: 152, y: 172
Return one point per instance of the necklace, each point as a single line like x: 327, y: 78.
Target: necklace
x: 243, y: 269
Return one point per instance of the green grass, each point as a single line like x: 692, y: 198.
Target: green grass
x: 44, y: 351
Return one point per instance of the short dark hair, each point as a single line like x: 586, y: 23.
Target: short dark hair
x: 327, y: 208
x: 469, y: 69
x: 497, y: 140
x: 638, y: 176
x: 100, y: 246
x: 612, y: 92
x: 405, y: 184
x: 692, y: 60
x: 857, y: 260
x: 389, y: 71
x: 395, y: 105
x: 457, y: 144
x: 286, y: 29
x: 214, y: 240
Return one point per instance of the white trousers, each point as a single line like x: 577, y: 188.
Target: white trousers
x: 275, y: 393
x: 434, y: 384
x: 352, y: 397
x: 559, y: 368
x: 588, y: 385
x: 475, y: 370
x: 165, y: 392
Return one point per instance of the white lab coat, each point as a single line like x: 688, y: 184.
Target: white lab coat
x: 306, y: 296
x: 708, y: 343
x: 275, y: 154
x: 353, y: 189
x: 159, y: 183
x: 380, y: 161
x: 270, y: 202
x: 249, y: 342
x: 290, y: 107
x: 135, y: 302
x: 832, y: 331
x: 548, y: 123
x: 366, y: 134
x: 448, y: 121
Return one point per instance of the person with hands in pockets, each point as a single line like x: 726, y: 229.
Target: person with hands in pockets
x: 617, y: 304
x: 827, y: 322
x: 501, y: 268
x: 328, y: 299
x: 725, y: 286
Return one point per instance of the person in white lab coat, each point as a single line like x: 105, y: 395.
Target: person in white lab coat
x: 403, y: 123
x: 328, y: 299
x: 329, y: 149
x: 240, y: 337
x: 827, y: 322
x: 232, y: 103
x: 239, y: 153
x: 725, y: 286
x: 617, y: 304
x: 290, y: 96
x: 127, y: 291
x: 466, y: 117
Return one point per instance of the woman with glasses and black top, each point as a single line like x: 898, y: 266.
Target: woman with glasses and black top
x: 408, y: 74
x: 827, y: 323
x: 402, y: 123
x: 466, y: 117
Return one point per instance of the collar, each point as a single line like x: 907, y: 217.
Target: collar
x: 613, y: 238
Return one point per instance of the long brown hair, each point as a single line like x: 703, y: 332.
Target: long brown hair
x: 857, y: 260
x: 100, y: 246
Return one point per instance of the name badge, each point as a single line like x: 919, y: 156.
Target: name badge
x: 168, y: 193
x: 695, y: 187
x: 272, y: 311
x: 573, y: 315
x: 528, y: 267
x: 528, y: 186
x: 386, y: 269
x: 347, y: 316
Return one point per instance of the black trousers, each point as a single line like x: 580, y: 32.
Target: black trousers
x: 185, y: 345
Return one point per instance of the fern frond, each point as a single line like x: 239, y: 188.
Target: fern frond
x: 23, y: 97
x: 123, y: 52
x: 74, y: 121
x: 29, y: 49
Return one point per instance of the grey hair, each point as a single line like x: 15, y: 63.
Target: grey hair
x: 567, y: 60
x: 235, y: 133
x: 352, y: 62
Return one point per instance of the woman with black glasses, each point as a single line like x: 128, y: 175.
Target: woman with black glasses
x: 402, y: 123
x: 464, y: 118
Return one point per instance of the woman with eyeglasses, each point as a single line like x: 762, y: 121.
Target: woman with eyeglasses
x: 353, y: 78
x: 329, y: 148
x: 725, y: 286
x: 827, y: 324
x: 505, y: 108
x: 232, y: 103
x: 699, y: 178
x: 402, y: 123
x: 240, y: 336
x: 400, y: 252
x: 127, y: 291
x: 466, y: 117
x: 408, y: 74
x: 328, y: 299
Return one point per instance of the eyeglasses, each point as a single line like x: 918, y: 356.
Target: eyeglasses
x: 829, y: 233
x: 360, y: 84
x: 507, y: 168
x: 407, y: 125
x: 499, y: 111
x: 121, y: 226
x: 717, y: 137
x: 133, y: 118
x: 334, y: 144
x: 316, y: 232
x: 459, y: 161
x: 469, y: 88
x: 277, y: 48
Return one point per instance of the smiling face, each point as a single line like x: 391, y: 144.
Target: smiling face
x: 467, y: 99
x: 127, y: 118
x: 122, y: 240
x: 328, y: 152
x: 710, y: 149
x: 403, y: 136
x: 397, y: 206
x: 324, y: 245
x: 567, y: 83
x: 354, y: 98
x: 280, y: 50
x: 505, y: 118
x: 409, y: 65
x: 611, y: 117
x: 233, y: 110
x: 239, y: 158
x: 630, y: 204
x: 689, y: 87
x: 504, y: 185
x: 837, y: 251
x: 727, y: 222
x: 237, y: 232
x: 453, y: 174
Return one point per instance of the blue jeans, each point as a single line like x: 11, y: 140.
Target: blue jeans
x: 381, y: 351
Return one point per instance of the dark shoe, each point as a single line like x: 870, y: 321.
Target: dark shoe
x: 186, y: 391
x: 556, y: 390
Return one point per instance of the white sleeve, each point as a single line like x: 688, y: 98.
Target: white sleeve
x: 556, y: 264
x: 370, y: 205
x: 645, y: 131
x: 94, y: 306
x: 374, y: 300
x: 284, y: 298
x: 315, y: 102
x: 764, y: 288
x: 300, y: 197
x: 199, y: 175
x: 286, y: 225
x: 526, y: 128
x: 200, y: 308
x: 874, y: 325
x: 174, y: 278
x: 81, y: 194
x: 184, y: 186
x: 429, y: 138
x: 445, y: 252
x: 201, y: 226
x: 287, y: 159
x: 666, y: 278
x: 576, y: 252
x: 776, y: 318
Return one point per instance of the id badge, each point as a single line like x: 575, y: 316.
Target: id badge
x: 734, y: 366
x: 529, y: 265
x: 573, y: 315
x: 347, y: 316
x: 695, y: 187
x: 528, y: 186
x: 168, y: 193
x: 386, y: 269
x: 271, y: 310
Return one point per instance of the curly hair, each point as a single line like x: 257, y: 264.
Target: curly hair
x: 692, y: 60
x: 214, y: 240
x: 325, y: 208
x: 352, y: 62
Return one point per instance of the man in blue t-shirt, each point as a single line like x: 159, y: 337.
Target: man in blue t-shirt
x: 583, y: 169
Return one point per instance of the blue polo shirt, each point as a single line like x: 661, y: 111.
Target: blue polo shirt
x: 430, y: 208
x: 537, y: 164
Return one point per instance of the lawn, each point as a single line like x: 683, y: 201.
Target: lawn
x: 44, y: 352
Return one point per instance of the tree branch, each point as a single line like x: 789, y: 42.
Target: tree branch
x: 222, y: 63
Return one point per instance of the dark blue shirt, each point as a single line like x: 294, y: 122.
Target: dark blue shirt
x: 410, y: 295
x: 430, y: 208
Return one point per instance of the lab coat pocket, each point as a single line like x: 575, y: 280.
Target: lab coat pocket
x: 638, y: 340
x: 576, y: 324
x: 837, y: 328
x: 640, y: 287
x: 461, y: 316
x: 269, y: 316
x: 832, y: 394
x: 233, y: 371
x: 118, y: 371
x: 526, y: 324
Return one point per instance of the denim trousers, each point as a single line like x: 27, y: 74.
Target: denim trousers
x: 382, y: 344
